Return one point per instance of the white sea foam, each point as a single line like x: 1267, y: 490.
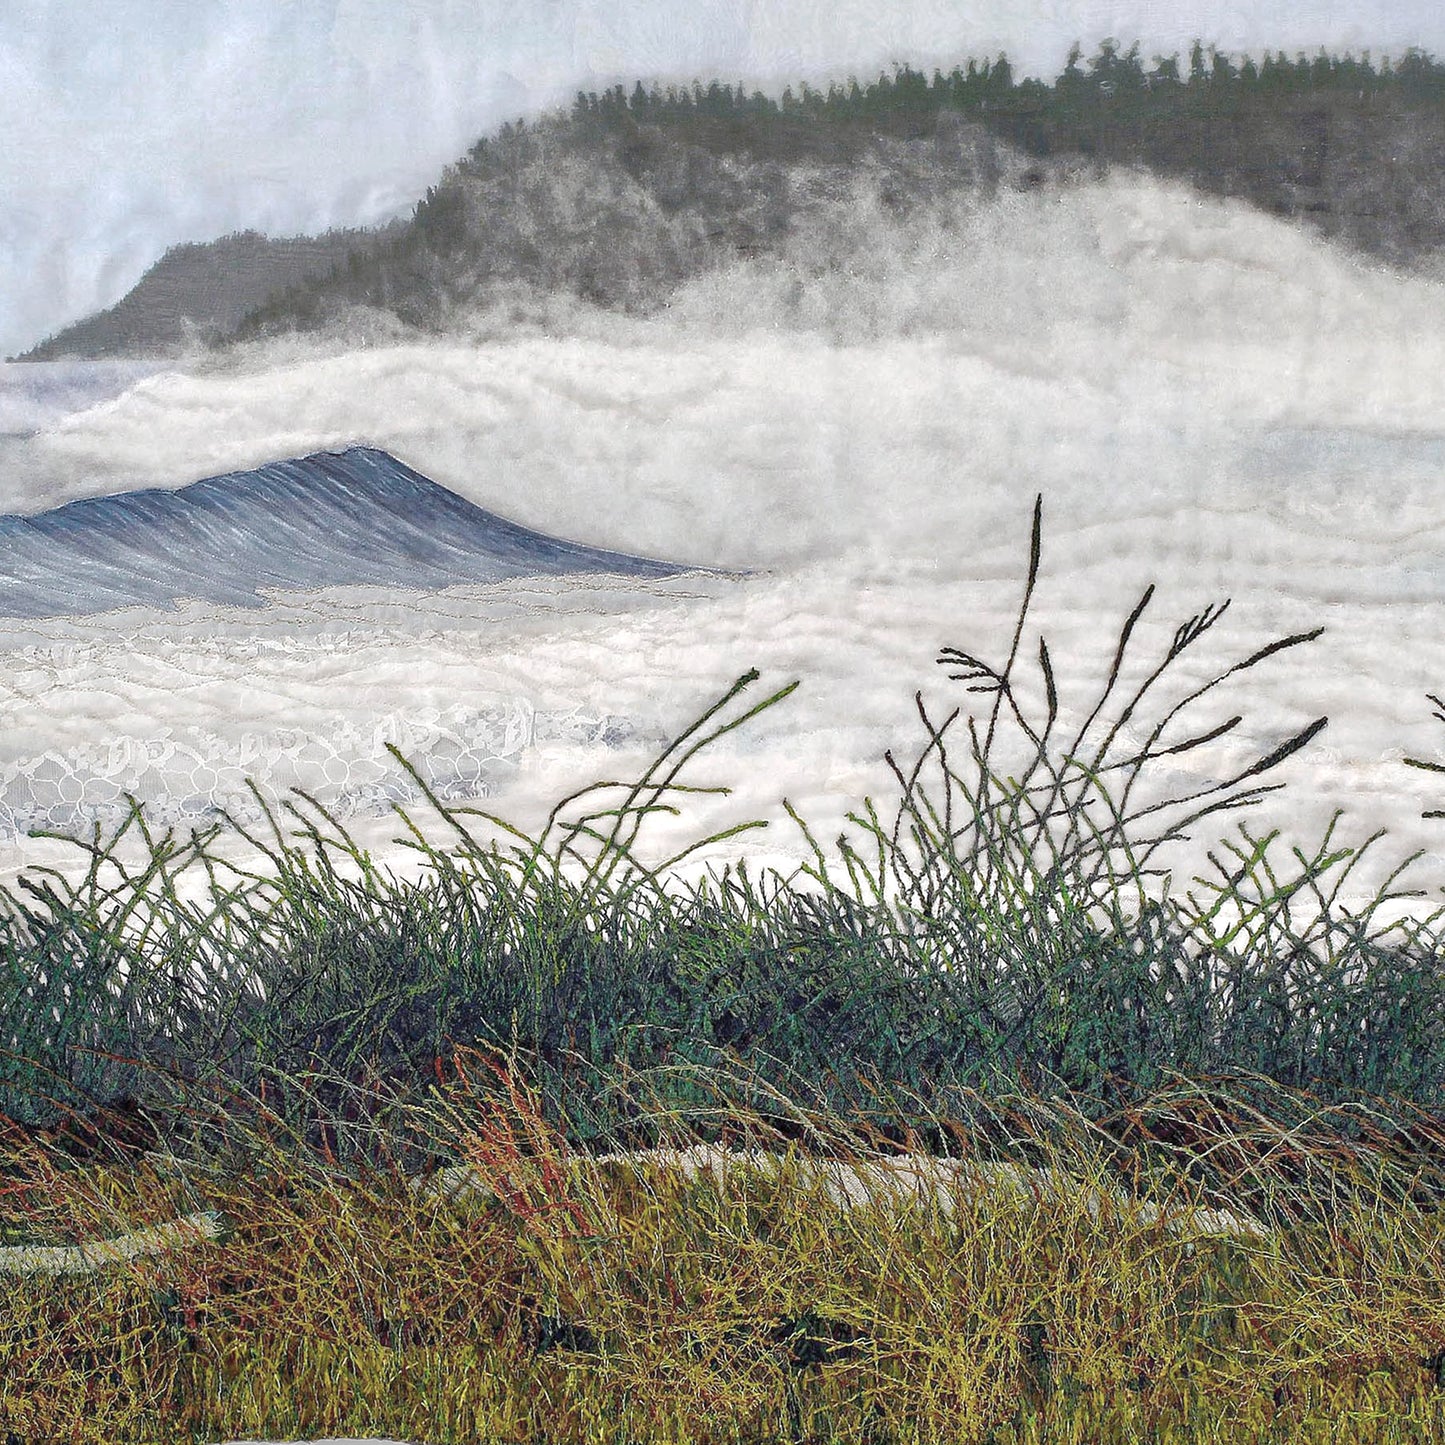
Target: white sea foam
x: 1206, y: 399
x: 33, y: 398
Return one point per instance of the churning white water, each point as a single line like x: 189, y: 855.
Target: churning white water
x: 1206, y: 399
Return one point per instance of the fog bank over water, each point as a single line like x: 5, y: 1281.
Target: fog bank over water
x: 1205, y: 398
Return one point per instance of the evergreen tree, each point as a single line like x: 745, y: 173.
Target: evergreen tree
x: 1198, y: 75
x: 1165, y: 75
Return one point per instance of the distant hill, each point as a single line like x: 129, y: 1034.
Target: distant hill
x: 632, y: 194
x: 620, y: 213
x: 357, y: 517
x: 197, y: 293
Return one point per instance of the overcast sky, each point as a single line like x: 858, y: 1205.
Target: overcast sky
x: 132, y: 124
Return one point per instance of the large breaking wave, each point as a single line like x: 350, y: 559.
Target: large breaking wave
x: 353, y: 518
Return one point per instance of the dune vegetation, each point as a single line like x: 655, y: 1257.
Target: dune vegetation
x: 974, y: 1128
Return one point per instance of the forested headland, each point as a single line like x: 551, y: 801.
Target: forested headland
x: 635, y: 191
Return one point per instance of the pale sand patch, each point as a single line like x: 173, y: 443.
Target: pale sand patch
x: 916, y: 1179
x: 52, y: 1259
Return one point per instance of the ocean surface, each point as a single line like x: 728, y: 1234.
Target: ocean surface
x: 1206, y: 399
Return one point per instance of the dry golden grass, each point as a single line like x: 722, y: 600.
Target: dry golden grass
x: 625, y: 1298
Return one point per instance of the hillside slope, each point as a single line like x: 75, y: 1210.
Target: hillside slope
x: 620, y: 215
x: 198, y: 292
x: 628, y: 197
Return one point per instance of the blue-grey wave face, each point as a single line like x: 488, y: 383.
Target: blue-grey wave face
x: 334, y: 519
